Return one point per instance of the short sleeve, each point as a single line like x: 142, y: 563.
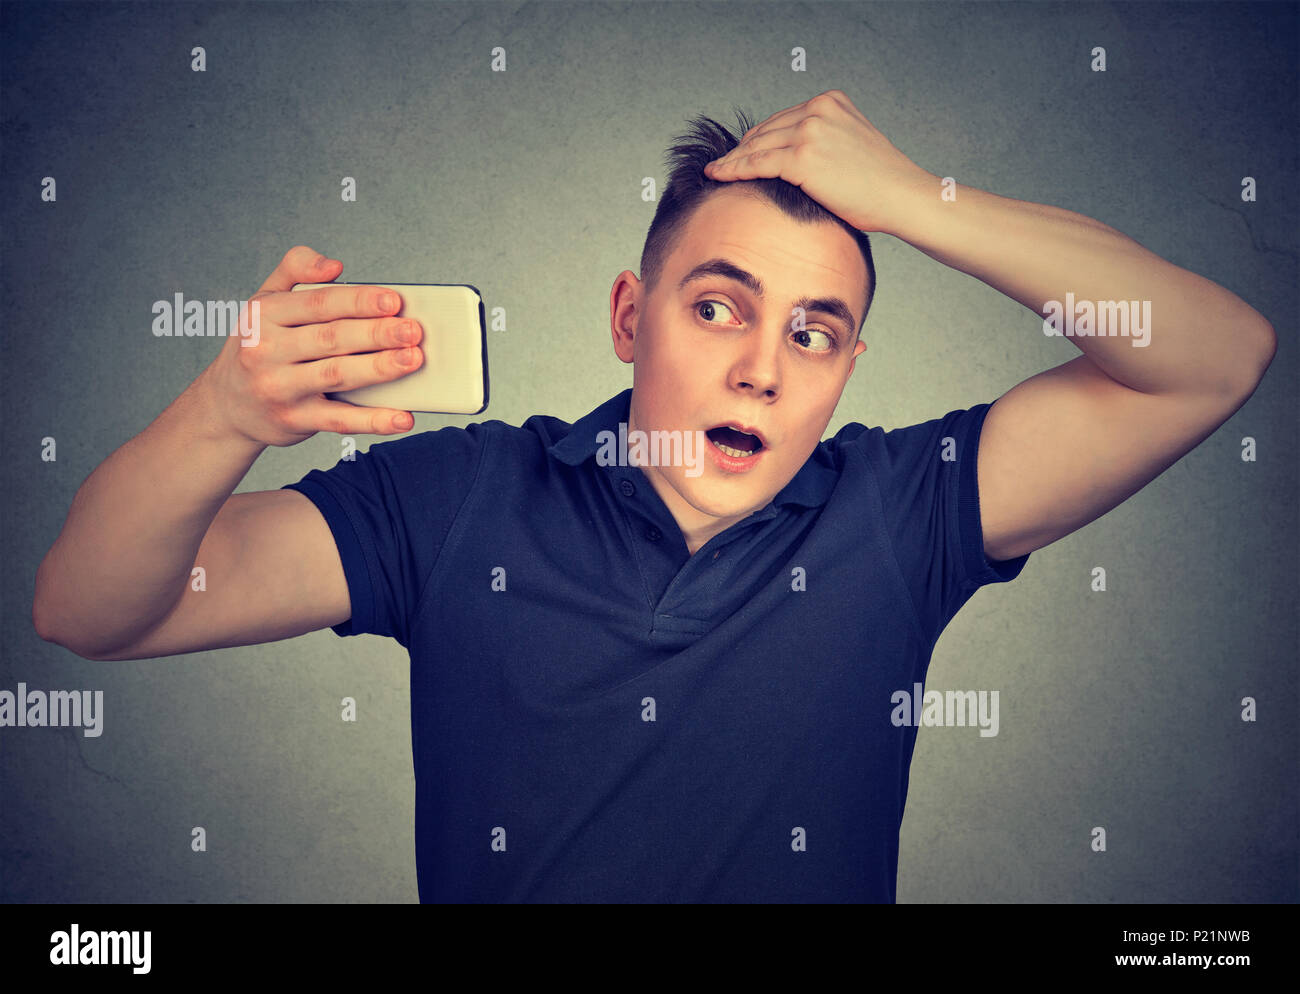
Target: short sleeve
x: 929, y: 488
x: 390, y: 509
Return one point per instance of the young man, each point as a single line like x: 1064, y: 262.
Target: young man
x: 672, y: 681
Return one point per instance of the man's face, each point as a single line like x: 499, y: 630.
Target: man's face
x: 710, y: 351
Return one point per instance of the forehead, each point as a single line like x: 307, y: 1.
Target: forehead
x: 792, y: 257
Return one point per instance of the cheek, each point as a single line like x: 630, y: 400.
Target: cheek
x: 806, y: 436
x: 678, y: 350
x: 683, y: 370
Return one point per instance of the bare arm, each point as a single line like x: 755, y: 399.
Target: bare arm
x: 1065, y: 446
x: 135, y: 527
x: 1068, y: 444
x: 272, y: 572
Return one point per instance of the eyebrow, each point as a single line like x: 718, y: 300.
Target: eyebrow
x: 833, y: 306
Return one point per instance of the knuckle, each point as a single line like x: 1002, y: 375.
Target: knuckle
x: 317, y: 300
x: 281, y: 417
x: 262, y: 385
x: 382, y: 332
x: 327, y: 336
x: 302, y: 258
x: 331, y: 373
x: 250, y: 359
x: 336, y: 424
x: 271, y: 348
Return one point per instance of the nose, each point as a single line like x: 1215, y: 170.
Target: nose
x: 757, y: 368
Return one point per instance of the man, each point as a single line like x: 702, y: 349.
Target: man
x: 664, y: 680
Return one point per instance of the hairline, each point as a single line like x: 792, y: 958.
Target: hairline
x: 675, y: 232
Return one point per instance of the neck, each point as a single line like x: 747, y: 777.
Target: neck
x: 696, y: 526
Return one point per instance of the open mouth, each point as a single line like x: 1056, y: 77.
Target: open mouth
x: 735, y: 443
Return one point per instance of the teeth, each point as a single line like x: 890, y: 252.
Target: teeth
x: 734, y: 453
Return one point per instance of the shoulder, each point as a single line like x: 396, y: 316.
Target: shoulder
x: 944, y: 436
x: 493, y: 442
x: 538, y: 430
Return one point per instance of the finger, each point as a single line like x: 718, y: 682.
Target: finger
x: 821, y: 103
x: 767, y: 163
x: 347, y: 372
x: 782, y: 119
x: 339, y: 416
x: 301, y: 265
x: 779, y: 120
x: 780, y: 138
x: 330, y: 303
x: 348, y: 336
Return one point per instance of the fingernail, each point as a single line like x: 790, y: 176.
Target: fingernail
x: 390, y: 301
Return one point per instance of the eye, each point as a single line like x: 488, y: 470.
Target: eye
x: 712, y: 304
x: 804, y: 335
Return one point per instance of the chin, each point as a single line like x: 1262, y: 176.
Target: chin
x: 709, y: 497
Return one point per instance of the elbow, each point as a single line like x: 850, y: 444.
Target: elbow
x: 40, y: 602
x: 38, y: 621
x: 40, y: 610
x: 42, y: 622
x: 1262, y: 350
x: 1269, y: 350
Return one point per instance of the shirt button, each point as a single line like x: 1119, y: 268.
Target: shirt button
x: 653, y: 534
x: 627, y: 488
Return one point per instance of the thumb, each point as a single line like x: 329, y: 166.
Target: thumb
x: 301, y: 264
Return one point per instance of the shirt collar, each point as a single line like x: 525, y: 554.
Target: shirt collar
x: 810, y: 487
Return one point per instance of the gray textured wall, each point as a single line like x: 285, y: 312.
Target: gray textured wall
x: 1118, y: 709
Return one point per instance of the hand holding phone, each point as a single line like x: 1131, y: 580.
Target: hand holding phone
x: 334, y: 341
x: 452, y: 377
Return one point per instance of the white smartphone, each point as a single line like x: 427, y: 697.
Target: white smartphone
x: 453, y: 378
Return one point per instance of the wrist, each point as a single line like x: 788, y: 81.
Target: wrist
x: 915, y: 199
x: 210, y: 419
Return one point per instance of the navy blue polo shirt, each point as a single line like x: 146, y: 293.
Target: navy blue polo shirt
x: 597, y: 715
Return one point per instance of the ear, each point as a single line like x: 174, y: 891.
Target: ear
x: 625, y: 305
x: 857, y: 351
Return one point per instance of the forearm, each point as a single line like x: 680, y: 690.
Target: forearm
x: 1200, y: 337
x: 129, y: 543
